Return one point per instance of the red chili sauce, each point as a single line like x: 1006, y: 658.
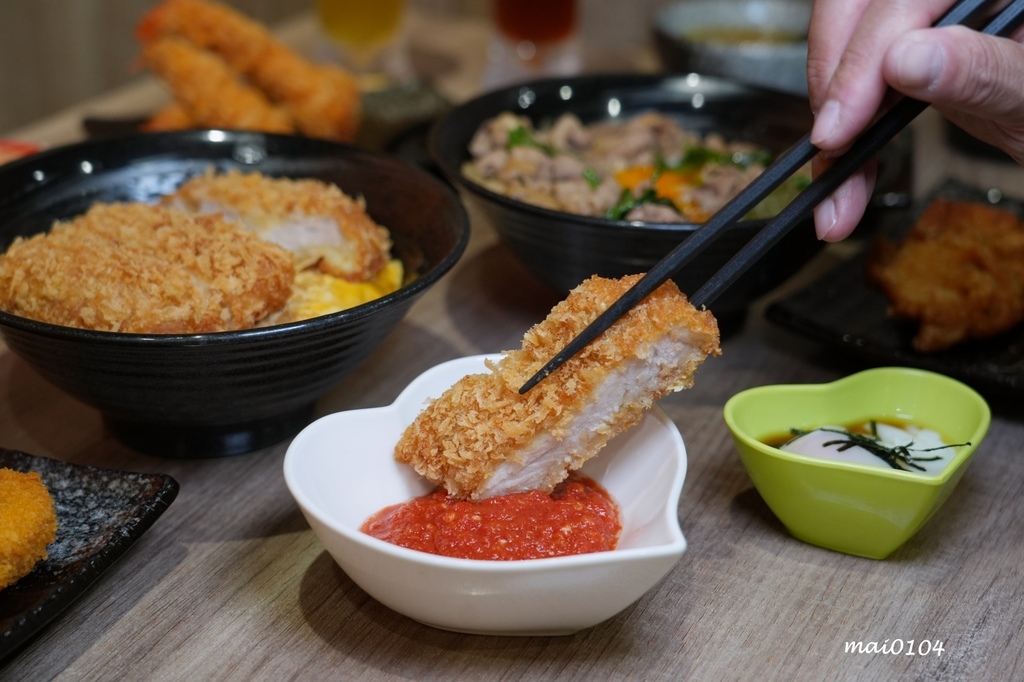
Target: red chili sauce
x: 578, y: 517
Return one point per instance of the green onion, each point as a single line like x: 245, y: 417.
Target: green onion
x: 697, y: 157
x: 627, y: 202
x: 521, y: 137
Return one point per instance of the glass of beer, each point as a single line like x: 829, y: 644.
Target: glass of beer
x: 532, y: 38
x: 369, y: 36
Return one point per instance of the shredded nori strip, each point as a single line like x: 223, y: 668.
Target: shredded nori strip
x: 899, y: 457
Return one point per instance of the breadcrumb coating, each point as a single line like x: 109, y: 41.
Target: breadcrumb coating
x: 145, y: 269
x: 173, y: 116
x: 315, y: 220
x: 28, y: 524
x: 959, y: 273
x: 322, y: 99
x: 210, y: 94
x: 482, y: 437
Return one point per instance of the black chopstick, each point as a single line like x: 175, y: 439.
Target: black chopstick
x: 789, y: 162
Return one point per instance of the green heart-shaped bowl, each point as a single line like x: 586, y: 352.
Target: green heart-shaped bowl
x: 858, y: 509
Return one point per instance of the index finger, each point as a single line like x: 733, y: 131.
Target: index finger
x: 856, y: 88
x: 831, y: 27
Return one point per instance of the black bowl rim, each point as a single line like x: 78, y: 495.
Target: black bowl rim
x: 612, y: 80
x: 407, y: 291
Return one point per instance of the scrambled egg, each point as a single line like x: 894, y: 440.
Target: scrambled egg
x: 315, y: 293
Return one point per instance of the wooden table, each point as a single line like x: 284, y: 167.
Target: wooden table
x: 230, y: 583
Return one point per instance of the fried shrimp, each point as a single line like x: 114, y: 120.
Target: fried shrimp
x: 145, y: 269
x: 315, y: 220
x: 174, y: 116
x: 323, y: 100
x: 482, y: 438
x: 959, y: 273
x: 28, y: 524
x: 209, y: 91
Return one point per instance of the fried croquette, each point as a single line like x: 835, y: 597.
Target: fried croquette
x: 145, y: 269
x: 28, y: 524
x: 959, y: 273
x: 315, y: 220
x: 482, y: 437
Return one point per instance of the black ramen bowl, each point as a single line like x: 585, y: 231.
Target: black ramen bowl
x: 225, y: 393
x: 563, y: 249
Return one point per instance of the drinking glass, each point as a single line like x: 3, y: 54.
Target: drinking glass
x: 532, y: 38
x: 368, y: 35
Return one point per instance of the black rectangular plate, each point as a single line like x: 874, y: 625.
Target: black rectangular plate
x: 100, y: 514
x: 841, y: 310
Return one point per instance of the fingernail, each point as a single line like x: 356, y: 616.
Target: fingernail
x: 825, y: 122
x: 825, y: 218
x: 918, y: 64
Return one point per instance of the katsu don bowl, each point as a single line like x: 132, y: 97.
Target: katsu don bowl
x: 220, y: 393
x: 341, y: 470
x: 563, y: 248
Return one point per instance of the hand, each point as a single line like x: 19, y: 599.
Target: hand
x: 859, y: 48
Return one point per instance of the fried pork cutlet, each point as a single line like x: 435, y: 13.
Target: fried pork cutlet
x: 959, y: 272
x: 145, y: 269
x: 315, y: 220
x: 28, y: 524
x: 482, y: 438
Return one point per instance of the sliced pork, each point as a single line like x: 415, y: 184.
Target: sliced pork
x: 483, y: 438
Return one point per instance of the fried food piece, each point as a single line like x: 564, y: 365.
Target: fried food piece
x: 324, y: 100
x: 145, y: 269
x: 959, y: 272
x: 315, y: 220
x: 209, y: 92
x: 482, y: 438
x: 28, y: 524
x: 174, y: 116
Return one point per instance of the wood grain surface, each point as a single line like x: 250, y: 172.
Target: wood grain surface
x: 230, y: 583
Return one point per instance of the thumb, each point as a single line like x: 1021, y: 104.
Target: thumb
x: 957, y: 69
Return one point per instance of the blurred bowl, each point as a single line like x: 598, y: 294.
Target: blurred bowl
x: 858, y: 509
x: 227, y: 393
x: 758, y: 42
x: 563, y: 249
x: 341, y: 470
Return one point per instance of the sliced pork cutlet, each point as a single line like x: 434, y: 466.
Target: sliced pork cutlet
x: 316, y: 221
x: 145, y: 269
x: 482, y: 438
